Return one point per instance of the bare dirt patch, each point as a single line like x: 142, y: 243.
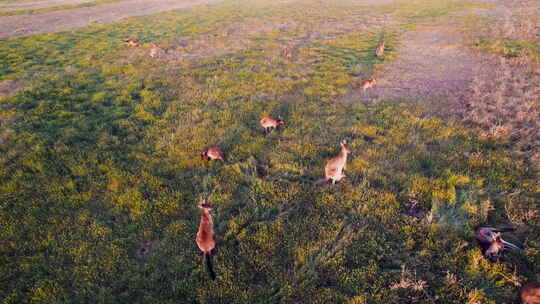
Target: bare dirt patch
x: 433, y: 64
x: 25, y: 25
x: 437, y: 64
x: 8, y: 87
x: 37, y: 5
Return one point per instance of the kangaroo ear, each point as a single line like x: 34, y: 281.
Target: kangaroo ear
x: 206, y: 206
x: 344, y: 142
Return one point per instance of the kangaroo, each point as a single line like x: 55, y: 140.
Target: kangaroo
x: 269, y: 123
x: 213, y: 154
x: 530, y: 294
x: 379, y: 52
x: 335, y: 166
x: 206, y: 239
x: 368, y: 83
x: 491, y: 241
x: 155, y: 50
x: 131, y: 42
x: 494, y: 251
x: 287, y: 53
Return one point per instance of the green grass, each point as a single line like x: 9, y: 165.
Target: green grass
x: 56, y: 8
x: 510, y: 48
x: 101, y: 154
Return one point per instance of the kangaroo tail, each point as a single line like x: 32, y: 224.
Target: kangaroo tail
x: 510, y: 245
x: 208, y: 260
x: 503, y: 229
x: 322, y: 180
x: 494, y: 229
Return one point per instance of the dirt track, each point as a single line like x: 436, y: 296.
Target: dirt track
x: 433, y: 64
x: 37, y: 5
x: 25, y: 25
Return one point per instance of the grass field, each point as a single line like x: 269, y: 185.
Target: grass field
x: 55, y: 8
x: 100, y: 157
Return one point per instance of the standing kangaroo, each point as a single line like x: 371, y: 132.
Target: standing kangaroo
x: 287, y: 53
x: 269, y: 123
x: 206, y: 239
x: 335, y: 166
x: 155, y: 51
x: 491, y: 241
x: 368, y: 83
x: 379, y: 52
x: 530, y: 294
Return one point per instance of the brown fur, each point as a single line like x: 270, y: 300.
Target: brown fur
x: 213, y: 154
x: 206, y: 239
x: 131, y: 42
x: 496, y: 248
x: 205, y: 236
x: 368, y: 83
x: 269, y: 123
x: 379, y: 52
x: 155, y: 50
x: 491, y: 241
x: 530, y: 294
x: 335, y: 166
x: 287, y: 53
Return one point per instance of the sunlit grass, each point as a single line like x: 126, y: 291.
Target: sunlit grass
x: 103, y: 155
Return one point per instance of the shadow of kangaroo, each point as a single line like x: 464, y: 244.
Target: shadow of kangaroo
x: 206, y: 239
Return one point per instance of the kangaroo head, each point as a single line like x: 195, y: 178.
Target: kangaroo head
x: 280, y: 121
x: 495, y: 249
x: 344, y: 146
x: 206, y: 206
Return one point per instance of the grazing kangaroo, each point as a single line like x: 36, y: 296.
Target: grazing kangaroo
x: 530, y: 294
x: 379, y: 52
x: 335, y: 166
x: 206, y: 239
x: 491, y: 242
x: 213, y: 154
x: 269, y: 123
x: 131, y: 42
x: 368, y: 83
